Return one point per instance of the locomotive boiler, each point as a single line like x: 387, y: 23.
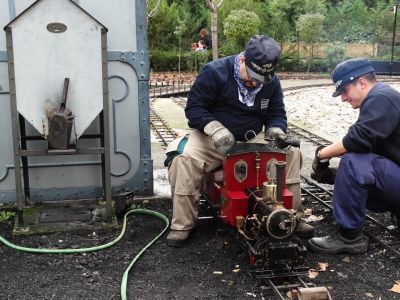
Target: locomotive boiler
x: 249, y: 194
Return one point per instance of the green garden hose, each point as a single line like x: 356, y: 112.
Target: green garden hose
x: 100, y: 247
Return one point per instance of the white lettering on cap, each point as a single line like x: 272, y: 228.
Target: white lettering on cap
x: 338, y: 83
x: 266, y: 68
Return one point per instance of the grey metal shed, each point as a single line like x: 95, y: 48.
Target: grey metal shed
x: 56, y: 178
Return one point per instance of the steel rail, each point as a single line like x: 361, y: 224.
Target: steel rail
x: 161, y: 128
x: 315, y: 190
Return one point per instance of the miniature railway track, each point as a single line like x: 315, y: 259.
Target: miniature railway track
x: 307, y: 135
x: 381, y: 233
x: 164, y: 133
x: 282, y: 289
x: 293, y: 128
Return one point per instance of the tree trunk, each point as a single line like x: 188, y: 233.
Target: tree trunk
x: 214, y: 33
x: 213, y: 6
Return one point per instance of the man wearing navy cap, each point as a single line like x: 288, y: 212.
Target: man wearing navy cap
x: 368, y: 176
x: 232, y: 99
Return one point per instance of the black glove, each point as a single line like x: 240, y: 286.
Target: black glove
x: 322, y: 172
x: 222, y: 137
x: 280, y: 139
x: 277, y: 135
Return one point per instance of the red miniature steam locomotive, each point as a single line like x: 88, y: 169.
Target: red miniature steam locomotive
x: 249, y: 194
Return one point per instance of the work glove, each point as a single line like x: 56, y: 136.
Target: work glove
x: 322, y: 173
x: 278, y: 135
x: 222, y: 137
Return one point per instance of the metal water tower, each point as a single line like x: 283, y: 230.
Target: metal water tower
x: 56, y: 52
x: 74, y: 177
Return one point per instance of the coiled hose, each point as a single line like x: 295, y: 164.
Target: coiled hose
x: 100, y: 247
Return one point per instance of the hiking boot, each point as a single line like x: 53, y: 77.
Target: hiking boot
x: 304, y: 230
x: 339, y: 243
x: 177, y: 238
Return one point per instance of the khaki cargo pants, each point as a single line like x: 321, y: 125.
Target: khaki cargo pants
x: 185, y: 174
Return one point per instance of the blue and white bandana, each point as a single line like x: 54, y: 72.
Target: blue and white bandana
x: 246, y: 95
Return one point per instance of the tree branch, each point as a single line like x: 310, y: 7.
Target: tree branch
x: 153, y: 11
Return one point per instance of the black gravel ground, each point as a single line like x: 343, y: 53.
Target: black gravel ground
x: 210, y: 266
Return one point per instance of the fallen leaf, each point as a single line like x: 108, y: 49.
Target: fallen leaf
x: 346, y: 259
x: 217, y: 273
x: 396, y: 287
x: 312, y: 273
x: 308, y: 212
x: 236, y: 270
x: 369, y: 295
x: 322, y: 266
x: 313, y: 218
x: 291, y: 294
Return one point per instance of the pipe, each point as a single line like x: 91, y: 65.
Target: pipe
x: 280, y: 176
x: 100, y: 247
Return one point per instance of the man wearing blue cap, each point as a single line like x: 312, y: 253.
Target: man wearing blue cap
x: 368, y: 176
x: 232, y: 99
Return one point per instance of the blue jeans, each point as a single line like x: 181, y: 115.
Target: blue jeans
x: 364, y: 181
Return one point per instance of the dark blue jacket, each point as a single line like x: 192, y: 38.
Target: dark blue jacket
x: 214, y: 96
x: 377, y: 129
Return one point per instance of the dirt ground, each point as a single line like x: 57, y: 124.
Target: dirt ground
x: 210, y: 266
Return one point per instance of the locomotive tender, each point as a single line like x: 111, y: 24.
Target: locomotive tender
x: 249, y: 194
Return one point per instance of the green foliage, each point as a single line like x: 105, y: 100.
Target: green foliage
x: 315, y: 6
x: 161, y: 61
x: 164, y: 60
x: 161, y: 27
x: 310, y: 28
x: 282, y: 18
x: 177, y: 23
x: 259, y: 7
x: 5, y: 215
x: 353, y: 21
x: 335, y: 54
x: 240, y: 26
x: 228, y: 48
x: 195, y: 60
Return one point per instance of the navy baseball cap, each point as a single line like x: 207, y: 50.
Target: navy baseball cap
x: 262, y: 56
x: 349, y: 70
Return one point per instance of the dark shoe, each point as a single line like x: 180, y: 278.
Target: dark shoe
x: 339, y: 244
x: 304, y: 230
x: 177, y: 238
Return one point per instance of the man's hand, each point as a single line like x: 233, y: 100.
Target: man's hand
x: 276, y: 134
x: 222, y: 137
x: 322, y: 172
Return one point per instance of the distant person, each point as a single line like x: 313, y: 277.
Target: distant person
x: 205, y: 39
x: 232, y: 99
x: 368, y: 176
x: 200, y: 46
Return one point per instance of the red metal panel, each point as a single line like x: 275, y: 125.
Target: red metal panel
x: 233, y: 204
x: 287, y: 198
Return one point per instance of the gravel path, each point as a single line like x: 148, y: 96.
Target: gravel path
x: 319, y: 111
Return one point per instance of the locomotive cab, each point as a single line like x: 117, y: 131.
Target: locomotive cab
x: 247, y: 167
x: 250, y: 194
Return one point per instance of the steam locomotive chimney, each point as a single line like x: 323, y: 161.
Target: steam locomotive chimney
x: 280, y: 175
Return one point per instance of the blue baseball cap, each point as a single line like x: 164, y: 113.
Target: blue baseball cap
x: 349, y: 70
x: 262, y: 56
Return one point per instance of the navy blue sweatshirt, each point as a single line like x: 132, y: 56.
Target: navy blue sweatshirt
x: 377, y: 129
x: 214, y: 96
